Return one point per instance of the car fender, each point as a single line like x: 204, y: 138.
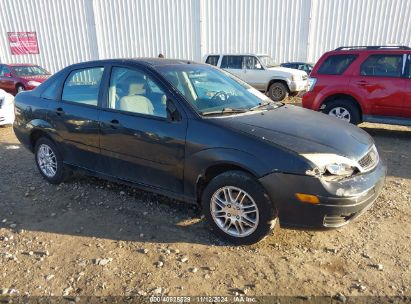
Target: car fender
x: 277, y: 78
x: 197, y: 164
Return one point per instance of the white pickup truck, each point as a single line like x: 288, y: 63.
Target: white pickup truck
x: 260, y: 72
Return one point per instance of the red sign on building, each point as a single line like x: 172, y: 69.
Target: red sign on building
x: 22, y: 43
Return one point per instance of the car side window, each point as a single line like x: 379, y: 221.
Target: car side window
x: 83, y: 85
x: 382, y: 66
x: 251, y: 63
x: 213, y: 60
x: 336, y: 64
x: 52, y: 90
x: 232, y: 62
x: 4, y: 70
x: 135, y: 92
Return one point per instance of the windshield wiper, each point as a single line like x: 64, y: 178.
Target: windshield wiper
x: 273, y: 105
x: 224, y: 111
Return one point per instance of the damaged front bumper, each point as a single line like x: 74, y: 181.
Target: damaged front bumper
x: 339, y: 201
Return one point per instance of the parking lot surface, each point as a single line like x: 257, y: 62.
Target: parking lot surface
x: 93, y: 237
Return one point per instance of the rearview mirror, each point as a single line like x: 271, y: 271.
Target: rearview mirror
x: 172, y: 112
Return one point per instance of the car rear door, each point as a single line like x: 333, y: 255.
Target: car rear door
x: 138, y: 143
x: 407, y: 97
x: 380, y: 83
x: 233, y: 65
x: 75, y: 116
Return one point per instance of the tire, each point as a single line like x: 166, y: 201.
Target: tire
x: 278, y: 91
x: 60, y: 172
x: 19, y: 88
x: 343, y: 109
x: 253, y: 194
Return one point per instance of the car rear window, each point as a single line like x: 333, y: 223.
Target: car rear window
x: 336, y: 64
x: 82, y: 86
x: 382, y: 66
x: 213, y: 60
x: 232, y: 62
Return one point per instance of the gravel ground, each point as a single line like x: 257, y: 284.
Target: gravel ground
x: 92, y: 237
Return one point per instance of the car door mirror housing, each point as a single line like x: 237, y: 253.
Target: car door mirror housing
x: 172, y: 112
x: 258, y: 66
x: 7, y: 75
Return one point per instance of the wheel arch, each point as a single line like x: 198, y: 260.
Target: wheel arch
x: 274, y: 80
x: 214, y: 170
x: 342, y: 96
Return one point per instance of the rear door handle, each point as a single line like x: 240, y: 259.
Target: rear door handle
x: 59, y: 111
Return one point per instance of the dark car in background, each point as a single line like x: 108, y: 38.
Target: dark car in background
x: 245, y: 159
x: 303, y: 66
x: 363, y: 84
x: 15, y: 78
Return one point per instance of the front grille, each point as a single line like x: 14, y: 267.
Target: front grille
x: 370, y: 160
x: 335, y: 221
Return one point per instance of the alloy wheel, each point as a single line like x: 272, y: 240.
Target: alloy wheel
x: 47, y: 160
x: 341, y: 113
x: 234, y: 211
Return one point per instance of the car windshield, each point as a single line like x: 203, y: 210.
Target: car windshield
x: 267, y: 61
x: 28, y: 70
x: 213, y: 91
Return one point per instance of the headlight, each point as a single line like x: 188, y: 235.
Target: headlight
x: 311, y: 83
x: 34, y: 83
x: 331, y: 163
x: 296, y: 77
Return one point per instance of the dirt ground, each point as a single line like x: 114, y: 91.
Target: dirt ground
x: 92, y: 237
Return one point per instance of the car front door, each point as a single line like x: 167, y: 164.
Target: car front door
x: 138, y: 142
x: 381, y: 84
x: 254, y: 73
x: 6, y: 79
x: 75, y: 116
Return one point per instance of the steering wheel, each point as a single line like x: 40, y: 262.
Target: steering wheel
x: 221, y: 95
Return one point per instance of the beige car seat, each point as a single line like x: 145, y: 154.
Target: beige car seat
x: 134, y: 101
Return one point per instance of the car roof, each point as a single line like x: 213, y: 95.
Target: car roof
x: 153, y: 62
x: 20, y: 64
x: 236, y: 54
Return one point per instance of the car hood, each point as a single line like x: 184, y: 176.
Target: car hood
x: 287, y: 71
x: 38, y: 78
x: 303, y: 131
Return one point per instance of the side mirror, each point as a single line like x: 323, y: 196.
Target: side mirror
x: 7, y: 75
x: 172, y: 112
x: 258, y: 66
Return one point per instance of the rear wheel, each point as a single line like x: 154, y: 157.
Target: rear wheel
x: 344, y: 110
x: 49, y: 161
x: 237, y: 208
x: 278, y: 91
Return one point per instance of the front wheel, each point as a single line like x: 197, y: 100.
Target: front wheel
x: 20, y: 88
x: 278, y: 91
x: 49, y: 161
x: 237, y: 208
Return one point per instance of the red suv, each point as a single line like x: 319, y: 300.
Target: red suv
x: 15, y: 78
x: 363, y: 83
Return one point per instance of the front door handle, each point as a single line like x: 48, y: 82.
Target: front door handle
x: 59, y: 111
x: 363, y: 83
x: 115, y: 124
